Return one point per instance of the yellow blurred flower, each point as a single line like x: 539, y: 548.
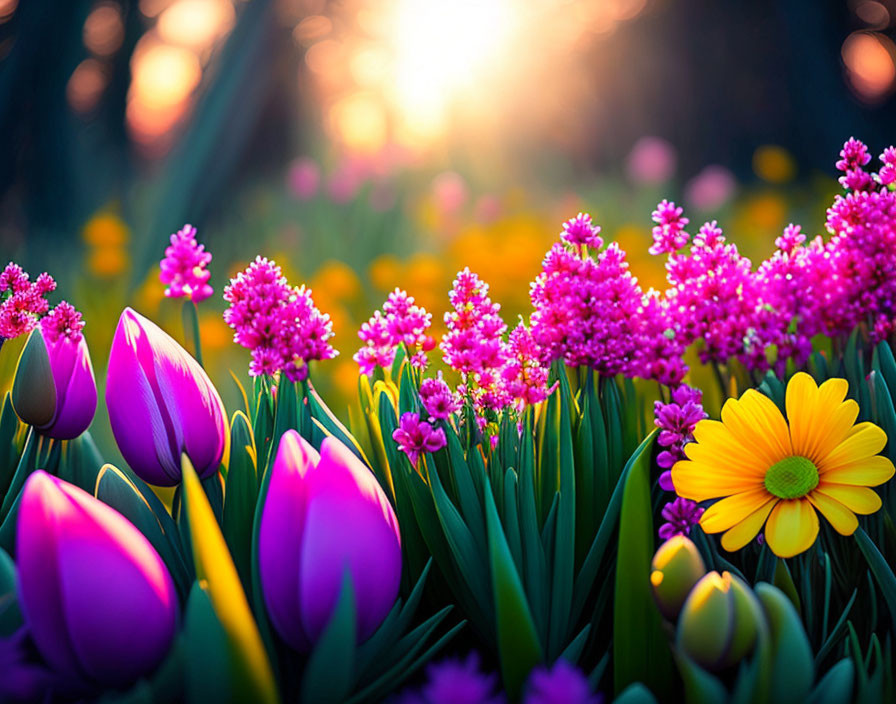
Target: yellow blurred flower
x: 385, y: 272
x: 214, y: 331
x: 766, y: 211
x: 337, y: 281
x: 774, y: 164
x: 105, y: 229
x: 108, y: 262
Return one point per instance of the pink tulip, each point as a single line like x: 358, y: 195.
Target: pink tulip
x: 162, y: 404
x: 96, y: 597
x: 325, y: 514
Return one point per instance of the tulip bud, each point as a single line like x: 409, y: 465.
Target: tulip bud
x: 718, y: 625
x: 325, y: 514
x: 676, y: 568
x: 162, y: 404
x: 96, y: 597
x: 33, y: 389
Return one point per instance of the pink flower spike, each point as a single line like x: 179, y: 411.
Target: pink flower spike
x: 21, y: 301
x: 669, y: 234
x: 579, y: 231
x: 183, y: 270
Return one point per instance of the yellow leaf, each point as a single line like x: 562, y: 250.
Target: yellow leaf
x: 217, y: 575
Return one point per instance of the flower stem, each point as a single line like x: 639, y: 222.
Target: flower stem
x: 191, y: 327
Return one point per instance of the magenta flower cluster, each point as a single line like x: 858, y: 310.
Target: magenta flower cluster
x: 587, y: 310
x: 495, y: 373
x: 278, y: 323
x: 676, y: 422
x: 22, y: 301
x: 680, y: 515
x: 437, y: 398
x: 184, y: 268
x: 62, y: 323
x: 401, y: 321
x: 590, y: 311
x: 415, y: 437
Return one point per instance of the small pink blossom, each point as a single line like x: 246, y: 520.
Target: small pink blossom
x: 22, y: 301
x: 184, y: 268
x: 415, y: 436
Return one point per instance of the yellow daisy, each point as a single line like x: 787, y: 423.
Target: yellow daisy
x: 768, y: 472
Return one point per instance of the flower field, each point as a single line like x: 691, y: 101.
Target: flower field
x: 629, y: 493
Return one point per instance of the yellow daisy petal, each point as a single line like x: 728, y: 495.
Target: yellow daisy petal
x: 792, y: 527
x: 746, y: 530
x: 699, y: 482
x: 818, y: 416
x: 758, y: 423
x: 717, y: 445
x: 864, y: 440
x: 724, y: 514
x: 870, y: 471
x: 801, y: 403
x: 841, y: 518
x: 859, y: 499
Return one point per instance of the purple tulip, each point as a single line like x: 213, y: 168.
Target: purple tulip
x: 324, y: 514
x: 162, y: 404
x: 54, y: 388
x: 75, y: 387
x: 96, y: 597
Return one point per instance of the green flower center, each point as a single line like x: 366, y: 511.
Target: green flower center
x: 792, y: 477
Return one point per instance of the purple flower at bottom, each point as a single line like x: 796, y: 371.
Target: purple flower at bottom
x: 680, y: 516
x: 562, y: 683
x: 414, y: 437
x: 454, y: 681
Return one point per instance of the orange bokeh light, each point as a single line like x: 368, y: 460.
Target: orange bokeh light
x: 870, y: 68
x: 104, y: 29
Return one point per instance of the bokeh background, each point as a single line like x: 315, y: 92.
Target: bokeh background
x: 366, y: 144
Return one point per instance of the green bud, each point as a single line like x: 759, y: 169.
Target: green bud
x: 676, y: 568
x: 719, y: 623
x: 33, y: 389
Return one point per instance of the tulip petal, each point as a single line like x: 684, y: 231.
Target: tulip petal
x: 75, y: 389
x: 153, y: 383
x: 349, y: 524
x: 113, y: 586
x: 280, y: 536
x: 42, y: 511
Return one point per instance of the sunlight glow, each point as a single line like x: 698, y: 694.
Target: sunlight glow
x: 441, y: 49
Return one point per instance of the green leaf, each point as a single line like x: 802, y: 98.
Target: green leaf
x: 534, y: 560
x: 518, y: 647
x: 205, y: 651
x: 880, y: 569
x: 120, y: 491
x: 250, y: 668
x: 9, y: 448
x: 836, y: 686
x: 565, y: 537
x: 329, y: 674
x: 640, y: 652
x: 321, y: 413
x: 10, y: 614
x: 241, y: 496
x: 635, y: 693
x: 700, y: 687
x: 793, y: 669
